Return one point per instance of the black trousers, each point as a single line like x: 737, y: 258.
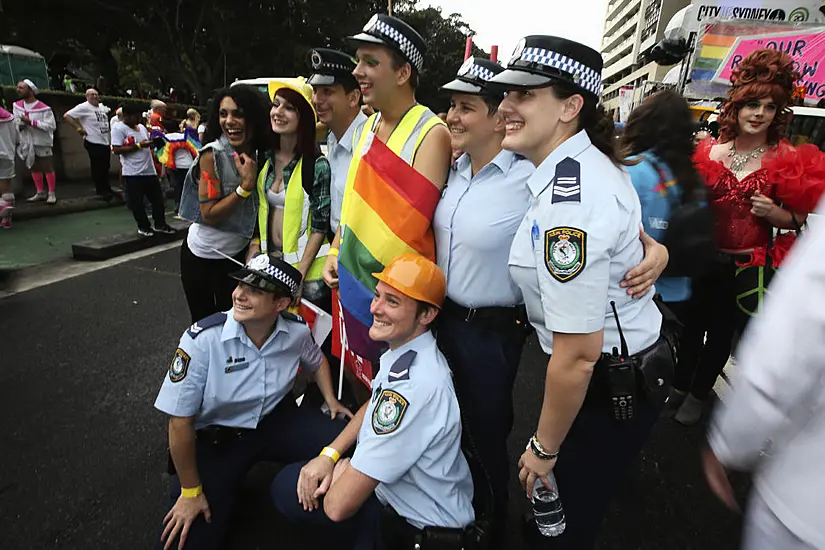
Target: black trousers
x: 484, y: 362
x: 138, y: 187
x: 592, y: 464
x: 711, y: 310
x: 206, y: 282
x: 100, y: 159
x: 287, y: 434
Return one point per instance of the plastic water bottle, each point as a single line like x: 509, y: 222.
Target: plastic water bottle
x: 547, y: 508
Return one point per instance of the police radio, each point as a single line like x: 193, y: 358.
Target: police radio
x: 621, y: 377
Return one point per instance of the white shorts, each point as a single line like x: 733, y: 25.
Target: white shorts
x: 6, y: 169
x: 42, y: 151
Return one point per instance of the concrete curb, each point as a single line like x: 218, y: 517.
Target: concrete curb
x: 63, y: 206
x: 105, y: 248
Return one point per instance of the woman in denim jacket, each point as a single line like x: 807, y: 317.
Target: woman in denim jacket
x: 219, y: 197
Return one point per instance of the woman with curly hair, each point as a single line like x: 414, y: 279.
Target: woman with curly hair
x: 756, y: 183
x: 219, y: 197
x: 658, y: 138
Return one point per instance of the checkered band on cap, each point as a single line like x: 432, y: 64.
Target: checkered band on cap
x: 261, y: 263
x: 582, y: 75
x: 473, y: 71
x: 277, y: 273
x: 407, y: 47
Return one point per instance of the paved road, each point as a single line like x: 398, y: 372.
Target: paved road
x: 82, y: 451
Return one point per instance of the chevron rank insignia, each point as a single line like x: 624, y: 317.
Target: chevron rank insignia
x: 400, y: 370
x: 212, y: 321
x: 567, y: 182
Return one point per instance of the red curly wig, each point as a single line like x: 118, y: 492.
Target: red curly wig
x: 763, y: 73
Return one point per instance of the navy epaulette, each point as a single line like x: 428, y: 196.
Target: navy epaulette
x: 212, y: 321
x: 400, y: 370
x: 292, y: 317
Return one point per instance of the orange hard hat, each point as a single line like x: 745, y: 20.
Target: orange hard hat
x: 417, y: 277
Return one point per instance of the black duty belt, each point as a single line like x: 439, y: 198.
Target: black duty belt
x: 398, y: 534
x: 487, y: 316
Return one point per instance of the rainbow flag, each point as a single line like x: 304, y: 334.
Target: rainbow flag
x: 166, y: 154
x: 390, y: 208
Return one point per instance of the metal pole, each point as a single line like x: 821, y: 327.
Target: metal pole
x: 389, y: 7
x: 684, y: 74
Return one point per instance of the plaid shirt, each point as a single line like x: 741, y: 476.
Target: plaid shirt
x: 319, y: 199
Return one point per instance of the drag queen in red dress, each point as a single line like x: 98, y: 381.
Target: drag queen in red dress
x: 757, y: 182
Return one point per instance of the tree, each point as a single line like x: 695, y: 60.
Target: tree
x: 200, y: 45
x: 445, y: 39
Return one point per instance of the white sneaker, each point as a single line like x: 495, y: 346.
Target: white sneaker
x: 37, y: 197
x: 146, y: 233
x: 52, y: 199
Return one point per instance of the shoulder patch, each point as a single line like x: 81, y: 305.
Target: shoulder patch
x: 179, y: 365
x: 400, y: 370
x: 212, y: 321
x: 389, y: 412
x: 564, y: 252
x: 567, y: 181
x: 293, y: 317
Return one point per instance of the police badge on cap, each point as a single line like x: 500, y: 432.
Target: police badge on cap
x: 474, y: 77
x: 269, y: 274
x: 330, y: 67
x: 541, y: 60
x: 396, y: 34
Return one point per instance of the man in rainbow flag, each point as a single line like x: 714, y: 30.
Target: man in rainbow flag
x: 400, y: 163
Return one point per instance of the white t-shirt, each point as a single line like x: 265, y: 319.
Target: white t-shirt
x: 183, y: 158
x: 136, y: 163
x: 93, y: 120
x: 201, y: 129
x: 203, y: 240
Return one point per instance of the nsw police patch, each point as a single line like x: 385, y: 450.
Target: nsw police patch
x: 388, y: 413
x: 179, y: 366
x: 564, y: 252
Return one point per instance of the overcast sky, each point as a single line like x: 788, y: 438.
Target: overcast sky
x: 504, y: 22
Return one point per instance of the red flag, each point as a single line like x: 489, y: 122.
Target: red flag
x: 360, y: 367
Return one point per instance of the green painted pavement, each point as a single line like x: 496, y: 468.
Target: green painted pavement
x: 42, y: 240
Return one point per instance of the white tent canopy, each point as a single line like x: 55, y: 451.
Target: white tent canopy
x: 18, y: 51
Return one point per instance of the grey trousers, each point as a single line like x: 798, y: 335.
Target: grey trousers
x: 764, y: 531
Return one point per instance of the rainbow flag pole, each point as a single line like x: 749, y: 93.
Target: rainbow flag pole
x: 389, y: 212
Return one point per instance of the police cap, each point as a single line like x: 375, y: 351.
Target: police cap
x: 330, y: 67
x: 396, y: 34
x: 474, y: 78
x: 270, y: 274
x: 541, y: 60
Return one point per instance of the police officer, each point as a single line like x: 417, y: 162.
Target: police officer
x: 605, y: 383
x: 337, y: 99
x: 408, y: 474
x: 483, y: 325
x: 228, y: 397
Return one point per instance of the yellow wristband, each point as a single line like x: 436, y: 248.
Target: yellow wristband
x: 191, y: 493
x: 332, y: 453
x: 256, y: 241
x: 242, y: 192
x: 333, y: 252
x: 138, y: 145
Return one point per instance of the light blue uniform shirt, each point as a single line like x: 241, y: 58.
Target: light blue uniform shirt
x: 223, y: 379
x: 474, y: 224
x: 569, y: 257
x: 657, y: 199
x: 339, y: 155
x: 410, y: 440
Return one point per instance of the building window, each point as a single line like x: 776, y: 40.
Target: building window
x: 652, y: 13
